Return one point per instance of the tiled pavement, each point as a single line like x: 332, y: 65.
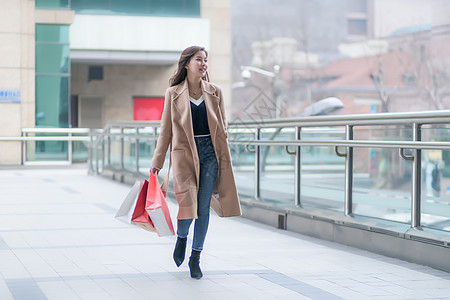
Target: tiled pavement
x: 59, y: 240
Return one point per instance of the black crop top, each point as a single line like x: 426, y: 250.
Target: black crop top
x: 199, y: 118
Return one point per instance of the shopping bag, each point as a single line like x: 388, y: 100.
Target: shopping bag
x: 156, y: 206
x: 140, y: 216
x: 125, y: 212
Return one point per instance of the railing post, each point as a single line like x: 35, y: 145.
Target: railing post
x: 349, y: 172
x: 24, y: 148
x: 96, y: 158
x: 416, y: 179
x: 122, y: 148
x: 298, y: 168
x: 109, y: 146
x: 90, y: 156
x: 136, y: 150
x: 257, y: 165
x: 69, y: 148
x: 103, y: 154
x: 155, y: 133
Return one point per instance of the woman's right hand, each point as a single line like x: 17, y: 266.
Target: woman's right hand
x: 154, y: 170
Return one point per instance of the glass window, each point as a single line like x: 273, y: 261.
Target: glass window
x: 186, y: 8
x: 52, y: 58
x: 52, y: 101
x: 52, y: 33
x: 52, y: 75
x: 357, y: 27
x: 95, y: 73
x: 52, y: 4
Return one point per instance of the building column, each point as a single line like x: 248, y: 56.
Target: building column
x: 219, y: 60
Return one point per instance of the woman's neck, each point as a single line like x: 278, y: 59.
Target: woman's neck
x: 194, y: 83
x: 195, y: 87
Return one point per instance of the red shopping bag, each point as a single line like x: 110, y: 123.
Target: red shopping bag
x: 140, y: 215
x: 157, y: 209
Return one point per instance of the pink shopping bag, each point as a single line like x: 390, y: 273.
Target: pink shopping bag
x: 140, y: 215
x: 157, y: 209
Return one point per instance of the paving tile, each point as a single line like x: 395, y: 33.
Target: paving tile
x: 227, y: 295
x: 424, y: 284
x: 284, y: 293
x: 344, y: 282
x: 335, y: 289
x: 87, y: 288
x: 405, y: 292
x: 34, y: 264
x: 444, y: 293
x: 55, y: 289
x: 5, y: 292
x: 149, y: 289
x: 25, y: 289
x: 371, y: 291
x: 11, y: 267
x: 118, y: 289
x: 14, y: 240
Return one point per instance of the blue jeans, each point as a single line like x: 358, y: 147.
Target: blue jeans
x: 208, y: 175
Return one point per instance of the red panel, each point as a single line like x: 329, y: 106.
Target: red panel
x: 147, y: 109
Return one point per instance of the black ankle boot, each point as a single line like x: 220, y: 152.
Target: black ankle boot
x: 194, y: 264
x: 180, y: 250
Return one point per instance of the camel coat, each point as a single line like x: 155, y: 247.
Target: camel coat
x: 177, y: 131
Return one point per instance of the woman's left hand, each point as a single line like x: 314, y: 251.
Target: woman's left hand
x: 154, y: 170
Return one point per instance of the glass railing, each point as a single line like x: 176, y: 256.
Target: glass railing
x: 393, y: 167
x: 126, y: 147
x: 54, y: 146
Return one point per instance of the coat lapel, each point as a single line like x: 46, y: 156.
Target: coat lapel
x: 181, y: 102
x: 212, y: 105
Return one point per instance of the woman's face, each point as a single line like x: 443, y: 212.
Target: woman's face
x: 197, y: 65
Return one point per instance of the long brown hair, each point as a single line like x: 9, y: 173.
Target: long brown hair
x: 185, y: 58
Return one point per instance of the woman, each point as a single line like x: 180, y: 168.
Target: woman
x: 193, y: 124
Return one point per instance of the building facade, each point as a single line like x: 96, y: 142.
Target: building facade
x: 78, y: 63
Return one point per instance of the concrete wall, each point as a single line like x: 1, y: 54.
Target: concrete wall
x: 219, y: 60
x: 397, y: 14
x: 120, y: 83
x: 17, y: 68
x: 16, y: 73
x: 441, y: 12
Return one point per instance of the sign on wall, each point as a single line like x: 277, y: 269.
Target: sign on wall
x: 10, y: 96
x: 147, y: 108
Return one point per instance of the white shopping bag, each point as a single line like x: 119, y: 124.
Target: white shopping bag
x: 125, y: 212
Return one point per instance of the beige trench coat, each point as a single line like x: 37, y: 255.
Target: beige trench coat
x: 177, y: 130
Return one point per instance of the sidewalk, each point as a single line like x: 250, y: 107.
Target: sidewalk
x: 59, y: 240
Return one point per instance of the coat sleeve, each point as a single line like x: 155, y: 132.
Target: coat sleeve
x: 165, y: 135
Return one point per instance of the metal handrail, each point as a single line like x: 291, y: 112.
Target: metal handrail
x: 352, y: 143
x: 45, y: 138
x: 423, y: 117
x: 406, y: 118
x: 56, y: 130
